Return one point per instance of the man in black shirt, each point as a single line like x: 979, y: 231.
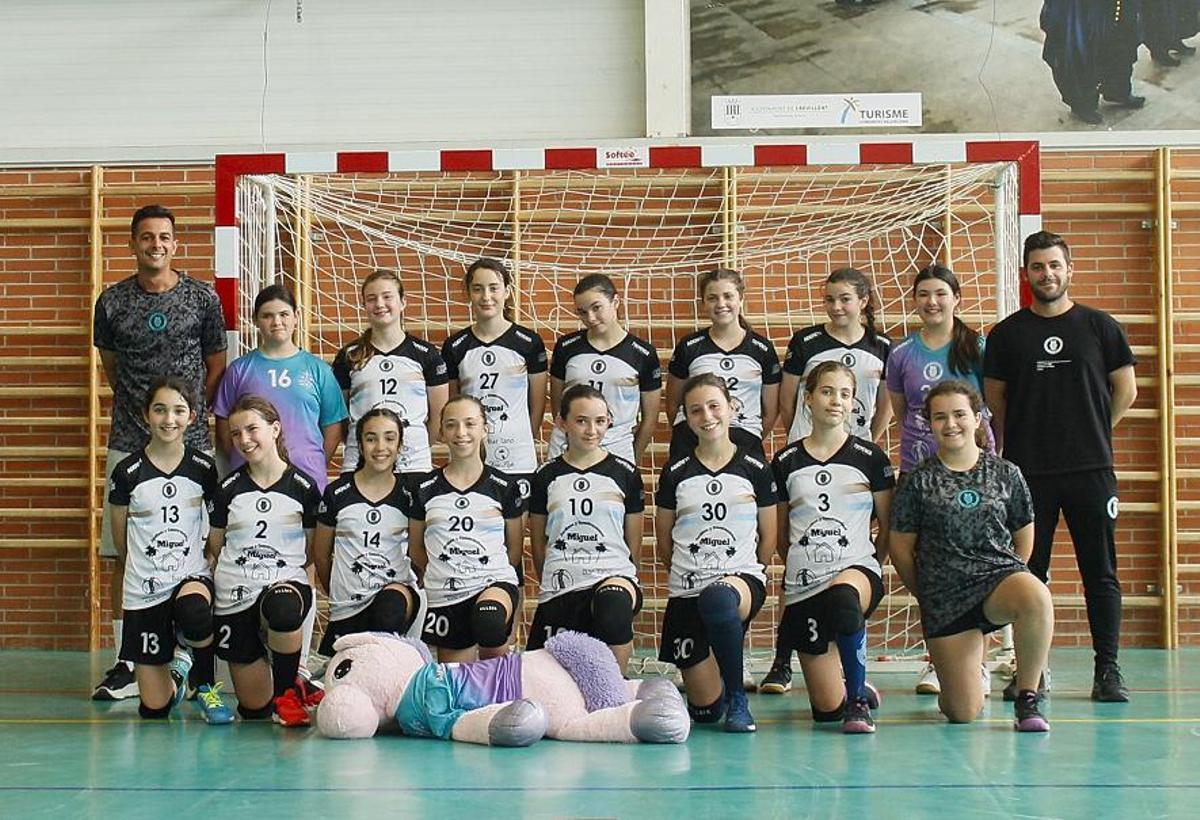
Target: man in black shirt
x: 1058, y: 377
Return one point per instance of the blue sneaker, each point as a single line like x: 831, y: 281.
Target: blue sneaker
x: 179, y: 667
x: 212, y: 706
x: 738, y: 717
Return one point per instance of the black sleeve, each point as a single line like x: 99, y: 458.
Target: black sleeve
x: 882, y: 476
x: 326, y: 513
x: 994, y: 355
x: 665, y: 495
x: 795, y: 358
x: 449, y: 358
x: 102, y: 336
x: 310, y: 501
x: 635, y: 493
x: 535, y: 356
x: 1019, y: 509
x: 678, y: 367
x: 209, y: 482
x: 765, y: 492
x: 435, y: 368
x: 341, y: 368
x: 538, y: 490
x: 558, y: 362
x: 1115, y: 345
x: 772, y: 370
x: 650, y: 377
x: 512, y: 504
x: 212, y: 325
x: 119, y: 490
x: 779, y: 472
x: 906, y: 505
x: 218, y: 508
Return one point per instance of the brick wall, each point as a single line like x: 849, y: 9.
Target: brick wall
x: 1099, y: 201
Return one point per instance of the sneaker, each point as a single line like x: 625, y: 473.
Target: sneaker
x: 290, y: 710
x: 985, y: 678
x: 777, y: 681
x: 1109, y: 685
x: 310, y: 693
x: 874, y: 699
x: 737, y: 716
x: 1010, y: 689
x: 118, y: 684
x: 856, y: 720
x: 1026, y: 715
x: 179, y: 667
x: 212, y: 705
x: 927, y: 683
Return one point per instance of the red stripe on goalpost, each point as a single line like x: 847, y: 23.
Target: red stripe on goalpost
x: 362, y: 162
x: 564, y: 159
x: 675, y: 156
x: 467, y: 160
x: 1027, y: 155
x: 231, y: 166
x: 227, y: 292
x: 781, y: 155
x: 886, y: 153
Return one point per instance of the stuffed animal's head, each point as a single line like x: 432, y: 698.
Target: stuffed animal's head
x: 364, y: 682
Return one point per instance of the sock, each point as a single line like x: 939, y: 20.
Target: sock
x: 724, y: 634
x: 284, y: 666
x: 853, y: 651
x: 310, y: 621
x: 118, y: 627
x: 204, y: 664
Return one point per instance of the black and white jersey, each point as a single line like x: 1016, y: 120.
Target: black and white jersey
x: 866, y: 358
x: 622, y: 373
x: 716, y: 519
x: 585, y: 513
x: 398, y: 379
x: 830, y: 505
x: 166, y: 524
x: 464, y: 533
x: 745, y: 369
x: 264, y: 534
x: 370, y: 544
x: 497, y: 373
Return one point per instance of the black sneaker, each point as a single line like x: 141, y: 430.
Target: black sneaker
x: 1027, y: 717
x: 1010, y: 691
x: 1109, y: 686
x: 777, y: 681
x: 118, y: 684
x: 856, y: 720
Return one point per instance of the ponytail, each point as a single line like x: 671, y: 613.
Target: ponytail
x: 964, y: 358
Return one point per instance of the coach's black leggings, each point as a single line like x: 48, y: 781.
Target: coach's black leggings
x: 1088, y: 502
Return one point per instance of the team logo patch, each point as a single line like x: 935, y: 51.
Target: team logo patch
x: 523, y: 487
x: 157, y: 321
x: 169, y: 490
x: 1112, y: 506
x: 502, y: 454
x: 849, y: 360
x: 561, y: 579
x: 933, y: 371
x: 386, y: 365
x: 461, y: 503
x: 1053, y: 345
x: 581, y: 485
x: 726, y: 364
x: 598, y: 366
x: 263, y: 505
x: 713, y: 487
x: 969, y: 499
x: 373, y: 516
x: 823, y: 478
x: 488, y: 358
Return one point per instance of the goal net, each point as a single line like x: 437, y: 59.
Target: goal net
x: 652, y: 231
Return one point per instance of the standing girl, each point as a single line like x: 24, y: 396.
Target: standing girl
x: 730, y: 349
x: 618, y: 364
x: 585, y: 532
x: 715, y: 527
x: 465, y: 537
x: 387, y: 367
x: 504, y: 366
x: 361, y: 544
x: 262, y: 519
x: 158, y: 497
x: 831, y: 484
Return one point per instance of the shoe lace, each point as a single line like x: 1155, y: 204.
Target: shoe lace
x: 211, y: 696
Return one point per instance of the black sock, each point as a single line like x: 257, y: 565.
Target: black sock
x: 203, y: 665
x: 718, y: 610
x: 284, y: 667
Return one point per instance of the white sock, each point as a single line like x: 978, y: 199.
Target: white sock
x: 309, y: 622
x: 118, y: 625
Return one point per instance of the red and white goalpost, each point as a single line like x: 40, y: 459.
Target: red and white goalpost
x: 649, y: 215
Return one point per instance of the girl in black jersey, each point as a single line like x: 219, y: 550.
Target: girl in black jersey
x: 157, y: 498
x: 504, y: 366
x: 465, y: 537
x: 361, y: 543
x: 715, y: 527
x: 729, y: 348
x: 262, y: 518
x: 618, y: 364
x: 389, y: 367
x: 585, y: 532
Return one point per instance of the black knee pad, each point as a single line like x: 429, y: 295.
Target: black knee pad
x: 707, y: 714
x: 389, y: 612
x: 261, y: 713
x: 153, y: 714
x: 718, y: 603
x: 832, y: 716
x: 194, y: 616
x: 283, y: 608
x: 612, y: 615
x: 489, y: 624
x: 843, y: 608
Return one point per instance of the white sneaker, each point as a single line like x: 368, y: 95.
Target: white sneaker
x: 927, y: 683
x: 985, y: 678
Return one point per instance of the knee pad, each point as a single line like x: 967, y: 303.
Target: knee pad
x: 843, y: 608
x: 389, y: 612
x: 718, y: 603
x: 261, y: 713
x: 283, y: 608
x: 489, y: 624
x: 831, y: 716
x: 612, y: 615
x: 194, y: 617
x: 707, y: 714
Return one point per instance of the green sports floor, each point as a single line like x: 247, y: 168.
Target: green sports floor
x: 63, y: 756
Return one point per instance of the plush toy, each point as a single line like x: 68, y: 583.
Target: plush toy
x: 571, y: 690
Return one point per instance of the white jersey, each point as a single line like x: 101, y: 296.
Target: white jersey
x: 166, y: 524
x: 622, y: 373
x: 745, y: 369
x: 265, y: 539
x: 464, y: 534
x: 497, y: 373
x: 716, y: 519
x: 585, y: 522
x: 866, y: 358
x: 370, y: 544
x: 398, y: 379
x: 830, y: 505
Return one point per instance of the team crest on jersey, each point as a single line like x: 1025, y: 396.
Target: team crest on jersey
x: 150, y: 586
x: 488, y: 358
x: 690, y: 580
x: 581, y: 485
x: 374, y: 517
x: 823, y: 477
x: 386, y: 365
x: 502, y: 454
x: 523, y: 487
x: 713, y: 487
x: 260, y: 562
x: 169, y: 490
x: 306, y: 380
x: 969, y: 499
x: 1053, y: 345
x: 598, y: 366
x: 849, y: 360
x: 263, y: 505
x: 1112, y: 507
x: 933, y: 371
x: 461, y: 503
x: 824, y: 540
x: 157, y: 321
x: 727, y: 364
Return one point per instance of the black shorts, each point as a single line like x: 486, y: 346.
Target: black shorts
x: 242, y: 636
x: 361, y: 622
x: 684, y: 636
x: 973, y: 618
x: 684, y: 441
x: 571, y: 610
x: 804, y: 625
x: 149, y: 636
x: 449, y: 627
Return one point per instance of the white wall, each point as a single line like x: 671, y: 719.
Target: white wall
x: 178, y: 80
